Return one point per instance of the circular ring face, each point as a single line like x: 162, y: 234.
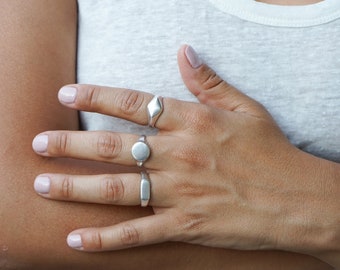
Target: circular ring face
x: 155, y: 109
x: 140, y: 151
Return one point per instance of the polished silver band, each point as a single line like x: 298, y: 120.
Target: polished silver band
x: 140, y: 151
x: 155, y: 109
x: 145, y: 189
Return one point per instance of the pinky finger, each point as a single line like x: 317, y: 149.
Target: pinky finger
x: 138, y: 232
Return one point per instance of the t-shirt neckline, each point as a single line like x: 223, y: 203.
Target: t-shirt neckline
x: 278, y: 15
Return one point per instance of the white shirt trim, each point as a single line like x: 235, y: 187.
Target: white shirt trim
x: 277, y: 15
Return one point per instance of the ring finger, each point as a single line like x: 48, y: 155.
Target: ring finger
x: 119, y: 189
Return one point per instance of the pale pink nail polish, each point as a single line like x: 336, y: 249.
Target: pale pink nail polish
x: 74, y: 241
x: 40, y: 143
x: 42, y: 184
x: 67, y: 94
x: 192, y: 57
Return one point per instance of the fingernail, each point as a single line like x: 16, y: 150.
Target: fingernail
x: 40, y: 143
x: 42, y: 184
x: 67, y: 94
x: 192, y: 57
x: 74, y: 241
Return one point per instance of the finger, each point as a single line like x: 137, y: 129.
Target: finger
x: 103, y: 189
x: 122, y: 103
x: 139, y: 232
x: 119, y: 189
x: 100, y: 146
x: 210, y: 88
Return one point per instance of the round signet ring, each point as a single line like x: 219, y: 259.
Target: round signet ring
x: 140, y: 151
x: 155, y: 109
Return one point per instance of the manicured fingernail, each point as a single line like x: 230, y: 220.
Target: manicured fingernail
x: 67, y: 94
x: 42, y: 184
x: 74, y: 241
x: 192, y: 57
x: 40, y: 143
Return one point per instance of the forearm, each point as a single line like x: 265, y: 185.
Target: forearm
x: 38, y: 52
x: 38, y: 56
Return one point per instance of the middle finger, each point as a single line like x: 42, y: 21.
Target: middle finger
x: 100, y: 146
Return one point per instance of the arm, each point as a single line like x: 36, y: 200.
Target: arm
x: 38, y: 55
x: 222, y: 175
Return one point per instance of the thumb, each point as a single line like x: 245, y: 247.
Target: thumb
x: 209, y: 88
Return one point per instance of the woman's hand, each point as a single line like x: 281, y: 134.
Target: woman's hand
x: 222, y: 173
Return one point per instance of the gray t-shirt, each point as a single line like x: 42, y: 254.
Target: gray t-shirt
x: 285, y: 57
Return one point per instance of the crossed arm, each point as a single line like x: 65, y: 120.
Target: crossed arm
x: 38, y: 55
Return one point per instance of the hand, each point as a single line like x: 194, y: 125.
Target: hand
x: 222, y: 173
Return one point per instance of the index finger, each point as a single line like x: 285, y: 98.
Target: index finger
x: 123, y: 103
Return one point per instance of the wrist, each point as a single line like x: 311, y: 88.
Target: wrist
x: 328, y: 246
x: 313, y: 224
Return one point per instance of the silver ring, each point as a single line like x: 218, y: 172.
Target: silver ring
x: 145, y: 189
x: 155, y: 109
x: 140, y: 151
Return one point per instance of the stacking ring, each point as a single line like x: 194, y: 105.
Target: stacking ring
x: 140, y: 151
x: 145, y: 189
x: 155, y: 109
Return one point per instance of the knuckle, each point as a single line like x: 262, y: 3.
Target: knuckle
x: 131, y: 102
x: 189, y: 189
x: 189, y: 225
x: 109, y: 145
x: 91, y: 98
x: 202, y: 120
x: 61, y: 144
x: 191, y: 155
x: 210, y: 80
x: 94, y: 241
x: 112, y: 189
x: 129, y: 236
x: 205, y: 115
x: 67, y: 187
x: 193, y: 222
